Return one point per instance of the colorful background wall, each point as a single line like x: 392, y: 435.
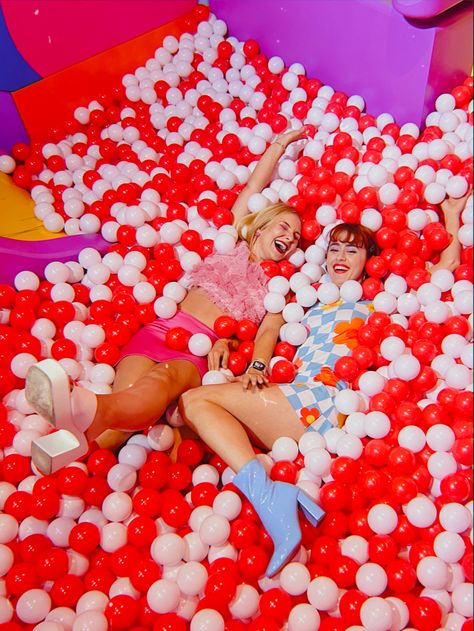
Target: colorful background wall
x: 56, y: 55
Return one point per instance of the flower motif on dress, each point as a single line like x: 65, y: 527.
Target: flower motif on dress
x: 346, y: 332
x: 341, y: 419
x: 326, y: 376
x: 309, y: 415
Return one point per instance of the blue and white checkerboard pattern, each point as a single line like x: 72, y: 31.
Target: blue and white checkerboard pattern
x: 317, y: 351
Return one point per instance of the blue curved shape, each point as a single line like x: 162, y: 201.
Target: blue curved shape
x: 15, y: 72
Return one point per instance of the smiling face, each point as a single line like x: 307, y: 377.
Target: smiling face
x: 278, y: 239
x: 345, y: 260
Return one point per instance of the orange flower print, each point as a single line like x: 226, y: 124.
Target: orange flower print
x: 346, y: 332
x: 326, y: 376
x: 309, y: 415
x: 341, y: 419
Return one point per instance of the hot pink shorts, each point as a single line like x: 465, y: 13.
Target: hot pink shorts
x: 150, y: 340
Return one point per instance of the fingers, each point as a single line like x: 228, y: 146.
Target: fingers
x: 217, y: 359
x: 252, y: 381
x: 291, y: 136
x: 213, y: 360
x: 225, y: 358
x: 218, y: 356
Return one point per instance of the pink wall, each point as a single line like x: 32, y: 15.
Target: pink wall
x: 367, y: 47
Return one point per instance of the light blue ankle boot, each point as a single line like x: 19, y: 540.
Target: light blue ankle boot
x: 276, y: 504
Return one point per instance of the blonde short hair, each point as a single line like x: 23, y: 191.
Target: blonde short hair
x: 248, y: 225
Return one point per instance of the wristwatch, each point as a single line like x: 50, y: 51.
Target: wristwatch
x: 258, y: 365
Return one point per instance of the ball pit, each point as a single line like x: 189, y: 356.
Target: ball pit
x: 142, y: 540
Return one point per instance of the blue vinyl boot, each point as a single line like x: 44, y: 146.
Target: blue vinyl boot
x: 276, y: 503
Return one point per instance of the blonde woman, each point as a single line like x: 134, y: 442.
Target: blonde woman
x: 150, y: 375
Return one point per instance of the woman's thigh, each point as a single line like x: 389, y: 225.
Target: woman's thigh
x: 265, y: 412
x: 130, y: 369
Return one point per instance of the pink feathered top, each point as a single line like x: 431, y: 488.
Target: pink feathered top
x: 233, y: 283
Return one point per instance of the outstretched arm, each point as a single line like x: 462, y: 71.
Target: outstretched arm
x: 265, y: 340
x: 451, y: 256
x: 263, y: 171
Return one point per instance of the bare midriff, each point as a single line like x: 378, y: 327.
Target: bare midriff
x: 200, y: 307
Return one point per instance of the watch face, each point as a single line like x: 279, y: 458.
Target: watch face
x: 258, y: 365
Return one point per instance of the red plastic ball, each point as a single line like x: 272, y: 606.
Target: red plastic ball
x: 284, y: 471
x: 121, y: 611
x: 84, y: 538
x: 283, y: 371
x: 225, y: 326
x: 425, y: 613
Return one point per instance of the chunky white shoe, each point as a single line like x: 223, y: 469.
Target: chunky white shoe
x: 48, y: 391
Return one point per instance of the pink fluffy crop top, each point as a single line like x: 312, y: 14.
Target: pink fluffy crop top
x: 233, y: 283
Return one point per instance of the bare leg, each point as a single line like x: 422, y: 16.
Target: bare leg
x: 139, y: 406
x: 221, y: 416
x: 129, y: 370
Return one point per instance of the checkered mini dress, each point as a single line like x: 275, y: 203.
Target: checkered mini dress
x: 332, y: 334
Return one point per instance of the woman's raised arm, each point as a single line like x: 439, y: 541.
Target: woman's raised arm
x: 451, y: 255
x: 263, y: 171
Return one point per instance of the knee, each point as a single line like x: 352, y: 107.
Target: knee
x: 190, y: 401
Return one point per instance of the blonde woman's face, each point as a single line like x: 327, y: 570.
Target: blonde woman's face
x: 278, y: 239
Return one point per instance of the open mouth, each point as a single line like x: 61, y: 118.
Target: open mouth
x: 340, y: 269
x: 281, y: 246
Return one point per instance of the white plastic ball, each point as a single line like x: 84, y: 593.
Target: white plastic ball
x: 163, y: 596
x: 412, y: 437
x: 406, y: 367
x: 421, y: 512
x: 432, y: 572
x: 347, y: 401
x: 167, y: 549
x: 303, y: 617
x: 323, y: 593
x: 376, y: 614
x: 371, y: 579
x: 377, y: 424
x: 165, y: 307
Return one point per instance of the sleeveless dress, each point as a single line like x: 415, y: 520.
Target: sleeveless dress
x: 332, y: 334
x: 231, y: 281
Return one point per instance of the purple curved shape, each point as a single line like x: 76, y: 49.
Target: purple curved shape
x: 424, y: 9
x: 12, y: 129
x: 17, y: 256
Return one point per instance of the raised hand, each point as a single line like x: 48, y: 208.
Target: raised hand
x: 290, y: 136
x: 453, y: 207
